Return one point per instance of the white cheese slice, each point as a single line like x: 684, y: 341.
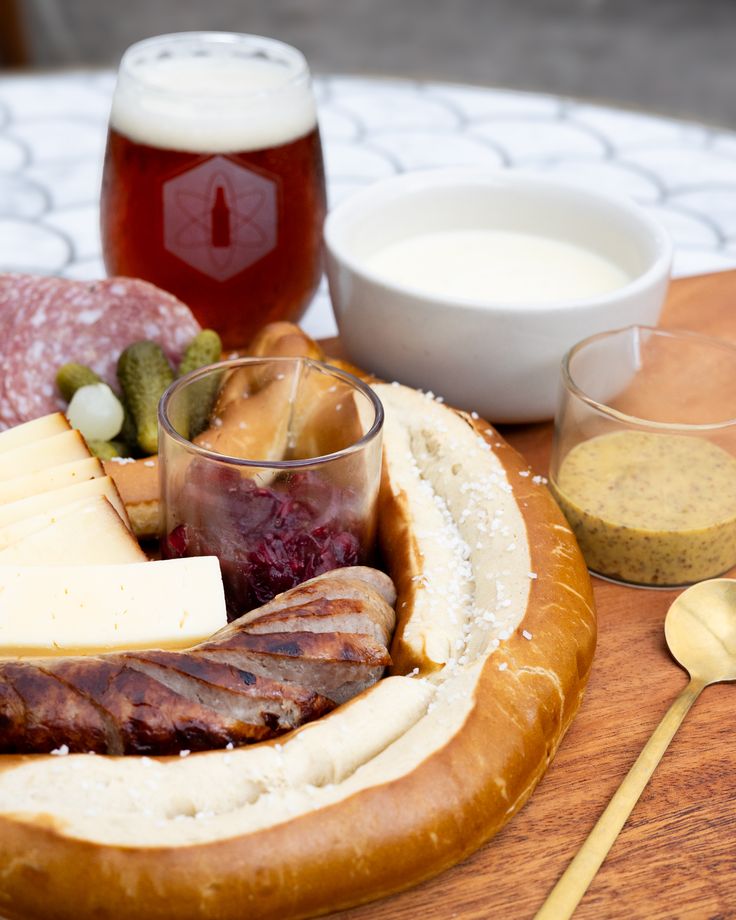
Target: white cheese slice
x: 81, y: 609
x: 51, y: 502
x: 20, y: 529
x: 56, y: 477
x: 40, y: 455
x: 90, y: 533
x: 37, y: 429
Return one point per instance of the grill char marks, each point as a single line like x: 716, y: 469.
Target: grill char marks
x: 334, y: 664
x: 330, y: 634
x: 366, y: 616
x: 39, y: 711
x: 150, y: 717
x: 265, y: 704
x: 266, y: 673
x: 355, y: 576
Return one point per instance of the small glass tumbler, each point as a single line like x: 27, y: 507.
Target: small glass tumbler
x: 644, y: 456
x: 272, y: 465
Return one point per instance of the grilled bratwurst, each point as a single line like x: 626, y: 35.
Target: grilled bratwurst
x: 266, y: 673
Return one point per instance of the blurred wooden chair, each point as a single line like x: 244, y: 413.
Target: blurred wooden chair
x: 13, y: 45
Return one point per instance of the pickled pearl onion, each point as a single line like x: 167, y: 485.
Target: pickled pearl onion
x: 96, y: 412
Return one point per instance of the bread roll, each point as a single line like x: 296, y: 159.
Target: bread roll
x: 491, y: 657
x: 137, y: 483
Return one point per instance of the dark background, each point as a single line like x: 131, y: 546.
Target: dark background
x: 677, y: 57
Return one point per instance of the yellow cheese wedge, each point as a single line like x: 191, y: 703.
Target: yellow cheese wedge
x: 50, y: 502
x: 40, y: 455
x: 56, y: 477
x: 90, y: 533
x: 85, y: 609
x: 36, y: 430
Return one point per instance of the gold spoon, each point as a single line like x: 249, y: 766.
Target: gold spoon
x: 700, y: 629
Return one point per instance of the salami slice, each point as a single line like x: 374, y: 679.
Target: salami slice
x: 10, y: 300
x: 45, y: 322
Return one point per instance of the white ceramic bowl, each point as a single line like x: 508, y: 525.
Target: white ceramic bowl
x: 501, y: 359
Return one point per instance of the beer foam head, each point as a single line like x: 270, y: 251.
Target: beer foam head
x: 213, y: 93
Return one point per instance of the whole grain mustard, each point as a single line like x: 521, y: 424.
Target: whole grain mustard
x: 652, y: 509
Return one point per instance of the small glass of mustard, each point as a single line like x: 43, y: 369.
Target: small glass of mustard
x: 644, y: 456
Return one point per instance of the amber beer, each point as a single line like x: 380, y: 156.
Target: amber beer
x: 213, y: 185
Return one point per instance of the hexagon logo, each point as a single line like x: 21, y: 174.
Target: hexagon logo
x: 220, y: 217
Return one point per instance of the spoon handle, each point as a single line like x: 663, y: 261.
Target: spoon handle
x: 573, y: 883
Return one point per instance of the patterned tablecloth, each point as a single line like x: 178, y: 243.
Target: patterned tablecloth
x: 52, y: 136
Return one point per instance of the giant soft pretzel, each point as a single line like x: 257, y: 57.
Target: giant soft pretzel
x: 495, y: 639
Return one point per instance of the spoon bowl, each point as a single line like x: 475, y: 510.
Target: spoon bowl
x: 700, y: 629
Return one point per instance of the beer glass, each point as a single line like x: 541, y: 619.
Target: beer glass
x: 213, y: 184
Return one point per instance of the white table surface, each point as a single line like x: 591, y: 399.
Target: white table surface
x: 52, y: 136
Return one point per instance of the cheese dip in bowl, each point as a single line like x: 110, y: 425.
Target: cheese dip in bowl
x: 478, y: 264
x: 474, y: 284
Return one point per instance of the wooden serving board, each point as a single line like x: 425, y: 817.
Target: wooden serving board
x: 676, y: 857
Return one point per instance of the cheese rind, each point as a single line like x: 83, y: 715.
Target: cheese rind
x: 36, y: 430
x: 80, y: 609
x: 50, y: 502
x: 56, y: 477
x: 90, y: 533
x: 40, y: 455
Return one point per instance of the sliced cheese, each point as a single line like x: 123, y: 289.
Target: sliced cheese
x: 20, y: 529
x: 45, y: 427
x: 90, y: 533
x: 80, y: 609
x: 57, y: 477
x: 51, y: 502
x: 40, y: 455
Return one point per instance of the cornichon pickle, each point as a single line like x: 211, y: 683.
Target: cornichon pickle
x: 106, y: 450
x: 205, y: 348
x: 201, y: 396
x: 128, y: 433
x: 144, y: 374
x: 71, y: 376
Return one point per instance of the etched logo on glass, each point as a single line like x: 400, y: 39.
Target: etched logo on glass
x: 220, y: 217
